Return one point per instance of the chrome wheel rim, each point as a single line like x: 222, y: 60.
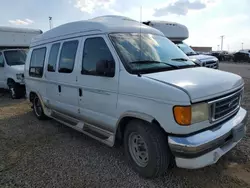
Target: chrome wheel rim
x: 138, y: 149
x: 38, y: 107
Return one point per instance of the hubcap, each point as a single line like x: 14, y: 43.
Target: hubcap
x: 138, y: 149
x: 37, y: 107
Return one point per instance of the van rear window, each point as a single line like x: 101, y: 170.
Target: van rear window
x: 37, y: 62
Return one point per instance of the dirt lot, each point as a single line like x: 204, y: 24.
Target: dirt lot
x: 47, y: 154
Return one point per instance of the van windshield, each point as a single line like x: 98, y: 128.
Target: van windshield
x: 15, y: 57
x: 185, y: 48
x: 147, y: 53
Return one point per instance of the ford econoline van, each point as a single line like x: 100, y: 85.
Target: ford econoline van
x: 119, y: 81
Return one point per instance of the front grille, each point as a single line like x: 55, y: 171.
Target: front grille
x: 211, y: 64
x: 225, y: 106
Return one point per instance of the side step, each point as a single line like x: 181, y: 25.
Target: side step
x: 92, y: 131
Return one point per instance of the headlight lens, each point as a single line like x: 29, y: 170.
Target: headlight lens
x: 197, y: 61
x: 19, y: 76
x: 187, y: 115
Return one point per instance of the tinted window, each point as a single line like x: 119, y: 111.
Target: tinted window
x: 37, y: 62
x: 67, y: 57
x: 95, y: 50
x: 53, y: 57
x: 1, y: 60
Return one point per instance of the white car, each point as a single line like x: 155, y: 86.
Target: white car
x: 12, y: 71
x: 117, y: 80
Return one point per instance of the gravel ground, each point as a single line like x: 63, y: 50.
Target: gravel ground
x: 47, y: 154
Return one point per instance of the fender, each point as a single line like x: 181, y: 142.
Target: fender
x: 137, y: 115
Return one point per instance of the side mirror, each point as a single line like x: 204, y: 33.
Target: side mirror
x: 105, y: 68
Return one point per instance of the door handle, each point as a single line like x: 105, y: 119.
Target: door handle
x: 80, y: 92
x: 59, y: 89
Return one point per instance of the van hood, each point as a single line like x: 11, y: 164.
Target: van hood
x: 18, y: 68
x: 203, y: 58
x: 199, y: 83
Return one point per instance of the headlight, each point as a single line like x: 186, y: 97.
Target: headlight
x: 187, y: 115
x: 19, y: 76
x: 197, y: 61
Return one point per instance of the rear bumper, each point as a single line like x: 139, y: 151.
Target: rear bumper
x: 207, y: 147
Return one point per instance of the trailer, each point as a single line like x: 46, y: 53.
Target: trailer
x: 177, y: 33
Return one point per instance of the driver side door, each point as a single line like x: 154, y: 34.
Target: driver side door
x: 2, y: 80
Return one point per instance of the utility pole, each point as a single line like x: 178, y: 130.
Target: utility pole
x: 242, y: 45
x: 50, y: 22
x: 222, y: 38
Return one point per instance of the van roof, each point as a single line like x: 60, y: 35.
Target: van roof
x: 98, y: 25
x: 172, y: 30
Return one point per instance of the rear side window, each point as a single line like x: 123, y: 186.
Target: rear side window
x: 95, y: 50
x: 53, y: 57
x: 67, y: 56
x: 37, y: 62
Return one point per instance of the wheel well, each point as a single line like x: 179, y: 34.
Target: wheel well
x: 32, y: 96
x: 124, y: 122
x: 10, y: 80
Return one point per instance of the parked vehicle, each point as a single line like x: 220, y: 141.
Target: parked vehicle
x: 14, y: 43
x: 177, y: 33
x: 117, y: 83
x: 222, y: 55
x: 242, y: 55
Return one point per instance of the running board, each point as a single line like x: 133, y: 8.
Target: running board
x: 92, y: 131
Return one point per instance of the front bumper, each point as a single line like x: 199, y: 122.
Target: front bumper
x: 206, y: 148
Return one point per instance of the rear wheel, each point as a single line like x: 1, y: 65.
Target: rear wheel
x: 38, y: 109
x: 146, y: 148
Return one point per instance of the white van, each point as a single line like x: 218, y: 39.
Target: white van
x: 177, y: 33
x: 14, y: 43
x: 117, y: 80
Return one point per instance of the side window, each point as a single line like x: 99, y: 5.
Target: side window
x: 53, y: 57
x: 95, y: 50
x: 37, y: 62
x: 1, y: 60
x: 67, y: 56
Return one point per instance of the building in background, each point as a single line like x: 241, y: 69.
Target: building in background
x: 201, y: 49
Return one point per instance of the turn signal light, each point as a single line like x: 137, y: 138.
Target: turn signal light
x: 183, y: 115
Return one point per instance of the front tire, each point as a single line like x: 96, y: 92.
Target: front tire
x: 146, y: 148
x: 14, y: 92
x: 38, y: 109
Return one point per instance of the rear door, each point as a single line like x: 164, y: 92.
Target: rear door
x: 52, y: 94
x: 66, y: 88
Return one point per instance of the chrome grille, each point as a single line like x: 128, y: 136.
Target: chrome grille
x: 225, y: 106
x: 211, y: 64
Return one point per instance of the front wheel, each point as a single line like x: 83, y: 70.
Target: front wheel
x: 14, y: 92
x: 146, y: 148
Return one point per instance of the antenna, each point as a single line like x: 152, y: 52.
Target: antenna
x: 140, y: 29
x: 50, y: 22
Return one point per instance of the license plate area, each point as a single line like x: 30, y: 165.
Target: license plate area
x: 238, y: 132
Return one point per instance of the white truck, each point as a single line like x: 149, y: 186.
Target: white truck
x: 177, y: 33
x: 14, y: 43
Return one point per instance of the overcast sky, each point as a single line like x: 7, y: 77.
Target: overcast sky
x: 206, y: 20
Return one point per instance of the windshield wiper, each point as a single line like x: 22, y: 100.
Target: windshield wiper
x: 179, y: 59
x: 151, y: 62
